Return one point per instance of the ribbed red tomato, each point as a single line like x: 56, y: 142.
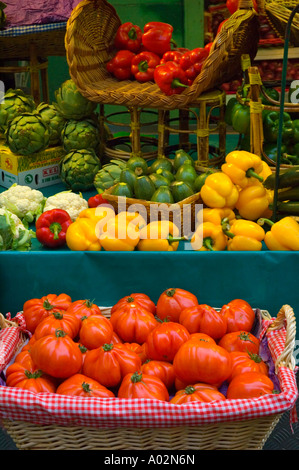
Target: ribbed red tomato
x: 204, y: 319
x: 139, y: 385
x: 172, y: 301
x: 110, y: 363
x: 80, y: 385
x: 197, y: 392
x: 138, y: 349
x: 29, y: 377
x: 95, y: 331
x: 34, y: 310
x: 247, y: 362
x: 250, y: 385
x: 84, y: 308
x: 141, y: 299
x: 57, y: 355
x: 162, y: 369
x: 200, y: 361
x: 239, y: 315
x: 132, y: 323
x: 163, y: 342
x: 58, y: 320
x: 240, y: 341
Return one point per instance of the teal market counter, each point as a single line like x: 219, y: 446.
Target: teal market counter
x: 265, y: 279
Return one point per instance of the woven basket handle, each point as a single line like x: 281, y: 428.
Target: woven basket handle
x: 286, y: 317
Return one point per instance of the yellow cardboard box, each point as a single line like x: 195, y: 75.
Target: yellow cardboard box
x: 37, y: 170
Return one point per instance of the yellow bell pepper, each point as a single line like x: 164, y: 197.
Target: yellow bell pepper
x: 120, y: 234
x: 159, y: 236
x: 99, y: 212
x: 82, y: 235
x: 253, y: 202
x: 219, y: 191
x: 242, y: 167
x: 283, y: 236
x: 244, y: 235
x: 209, y: 237
x: 216, y: 216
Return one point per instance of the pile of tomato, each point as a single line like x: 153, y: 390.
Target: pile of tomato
x: 176, y: 350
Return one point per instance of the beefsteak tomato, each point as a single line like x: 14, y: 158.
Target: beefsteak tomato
x: 204, y: 319
x: 80, y: 385
x: 95, y: 331
x: 172, y: 301
x: 250, y: 385
x: 132, y: 323
x: 201, y: 361
x: 162, y: 369
x: 57, y: 355
x: 239, y: 315
x: 163, y: 342
x: 34, y: 310
x: 110, y: 363
x: 29, y: 378
x: 84, y: 308
x: 139, y: 385
x: 240, y: 341
x: 58, y: 320
x: 141, y: 299
x: 198, y: 392
x: 247, y: 362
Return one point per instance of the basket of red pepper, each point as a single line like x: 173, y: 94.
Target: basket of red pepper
x: 125, y: 64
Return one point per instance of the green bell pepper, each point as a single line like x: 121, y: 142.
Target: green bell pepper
x: 241, y: 118
x: 271, y: 126
x: 228, y: 110
x: 272, y: 93
x: 270, y: 149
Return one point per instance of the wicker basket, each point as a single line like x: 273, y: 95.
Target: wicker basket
x: 180, y: 213
x: 278, y: 13
x: 246, y: 434
x: 89, y: 46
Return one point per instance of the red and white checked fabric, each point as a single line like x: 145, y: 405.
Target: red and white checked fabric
x: 46, y: 408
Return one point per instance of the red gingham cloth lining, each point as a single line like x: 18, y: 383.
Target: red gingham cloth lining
x: 41, y: 409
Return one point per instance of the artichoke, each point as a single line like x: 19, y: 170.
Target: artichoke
x: 14, y: 103
x: 109, y: 175
x: 80, y: 135
x: 55, y: 121
x: 71, y: 104
x: 78, y: 169
x: 27, y: 134
x: 2, y: 15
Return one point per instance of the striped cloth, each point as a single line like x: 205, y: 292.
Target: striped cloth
x: 51, y: 408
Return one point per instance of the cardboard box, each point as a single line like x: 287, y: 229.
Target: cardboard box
x: 37, y: 170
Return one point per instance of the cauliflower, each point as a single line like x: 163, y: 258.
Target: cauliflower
x: 23, y: 201
x: 72, y: 203
x: 13, y: 234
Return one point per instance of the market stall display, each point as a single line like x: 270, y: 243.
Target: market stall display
x: 146, y: 354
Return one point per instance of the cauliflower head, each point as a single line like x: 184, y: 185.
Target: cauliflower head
x: 13, y: 234
x: 72, y: 203
x: 23, y: 201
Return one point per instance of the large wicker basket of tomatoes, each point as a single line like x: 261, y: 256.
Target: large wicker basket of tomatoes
x: 124, y: 64
x: 171, y: 374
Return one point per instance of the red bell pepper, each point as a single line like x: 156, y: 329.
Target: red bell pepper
x: 97, y: 200
x: 51, y: 227
x: 120, y: 65
x: 192, y: 62
x: 170, y: 78
x: 173, y: 56
x: 143, y: 66
x: 128, y: 36
x: 157, y: 37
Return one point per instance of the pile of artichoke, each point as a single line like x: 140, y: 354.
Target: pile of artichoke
x: 14, y: 103
x: 78, y: 169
